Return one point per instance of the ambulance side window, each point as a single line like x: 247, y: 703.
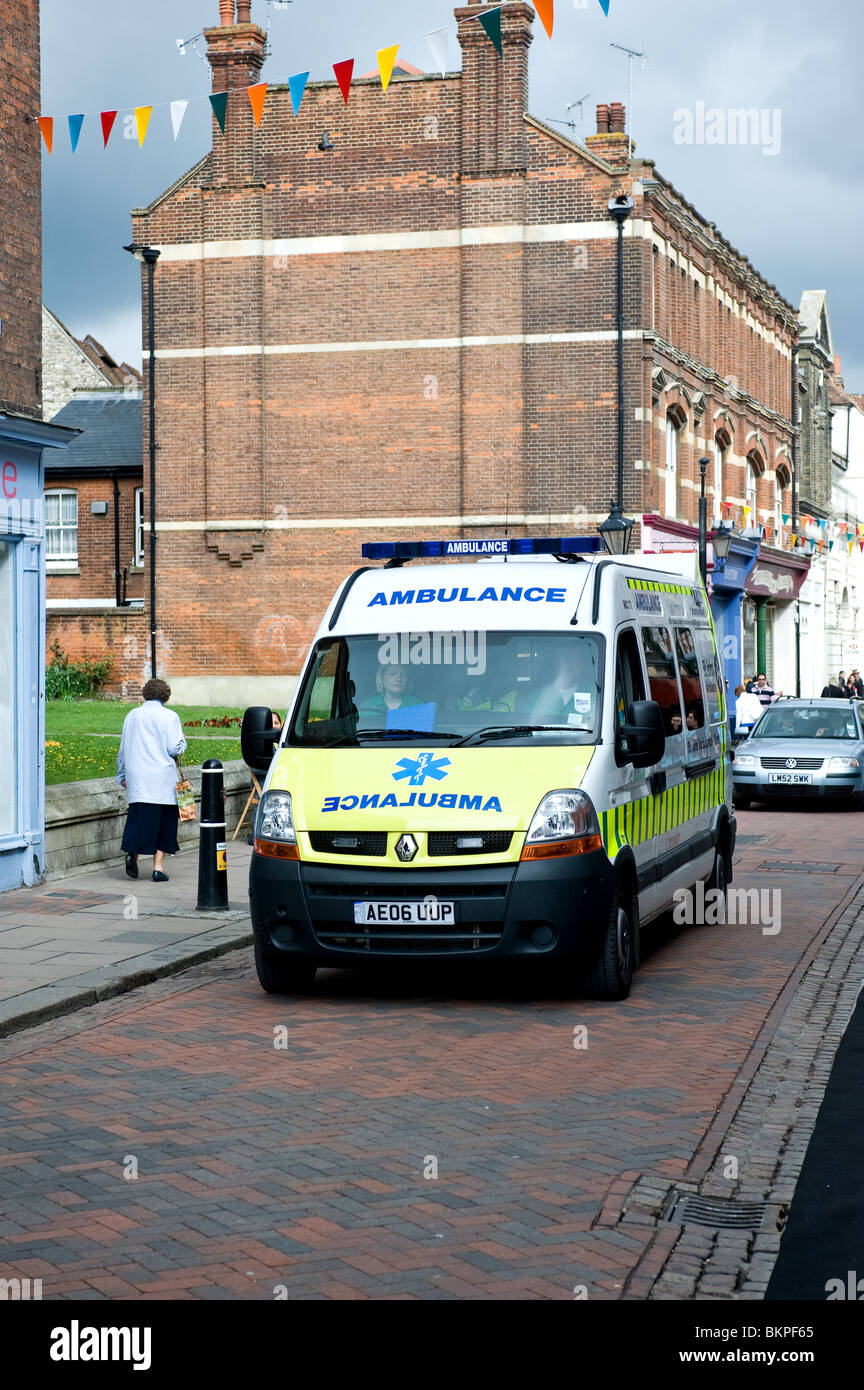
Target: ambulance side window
x: 691, y: 684
x: 662, y: 677
x: 629, y: 682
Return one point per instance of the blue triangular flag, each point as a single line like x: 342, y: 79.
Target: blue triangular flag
x: 604, y: 5
x: 297, y: 86
x: 491, y: 21
x: 75, y: 124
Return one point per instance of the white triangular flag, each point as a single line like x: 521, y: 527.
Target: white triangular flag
x: 178, y: 111
x: 438, y: 45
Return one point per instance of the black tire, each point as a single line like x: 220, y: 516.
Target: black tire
x: 612, y: 973
x: 277, y: 976
x: 742, y: 801
x: 720, y: 876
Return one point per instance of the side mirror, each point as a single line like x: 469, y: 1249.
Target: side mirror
x: 258, y: 737
x: 642, y: 740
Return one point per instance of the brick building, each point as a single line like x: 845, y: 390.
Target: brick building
x: 71, y: 364
x: 414, y: 332
x: 95, y: 535
x: 23, y: 437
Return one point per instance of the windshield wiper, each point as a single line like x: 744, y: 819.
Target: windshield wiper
x: 519, y: 731
x: 387, y: 733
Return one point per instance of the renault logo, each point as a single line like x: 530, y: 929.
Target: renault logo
x: 791, y: 762
x: 406, y: 848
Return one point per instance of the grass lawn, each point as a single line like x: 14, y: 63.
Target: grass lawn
x: 82, y: 737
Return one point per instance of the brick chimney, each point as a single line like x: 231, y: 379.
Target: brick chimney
x: 611, y: 141
x: 494, y: 88
x: 236, y: 52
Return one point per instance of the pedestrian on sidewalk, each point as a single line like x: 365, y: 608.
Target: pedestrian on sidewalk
x: 151, y: 741
x: 748, y: 708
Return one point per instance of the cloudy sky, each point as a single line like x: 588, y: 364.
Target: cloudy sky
x: 796, y: 213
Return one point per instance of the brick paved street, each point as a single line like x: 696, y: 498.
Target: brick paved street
x: 310, y: 1169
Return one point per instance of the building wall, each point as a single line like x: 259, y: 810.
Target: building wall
x: 91, y: 577
x: 425, y: 342
x: 120, y: 633
x: 65, y: 368
x: 20, y: 210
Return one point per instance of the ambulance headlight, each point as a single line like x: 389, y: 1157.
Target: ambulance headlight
x: 565, y: 822
x: 275, y: 819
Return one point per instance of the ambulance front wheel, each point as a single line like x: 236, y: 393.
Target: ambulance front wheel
x: 283, y: 976
x: 612, y: 974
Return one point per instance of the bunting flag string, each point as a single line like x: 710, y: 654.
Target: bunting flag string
x: 46, y: 126
x: 344, y: 71
x: 75, y: 124
x: 297, y: 86
x: 386, y: 59
x: 219, y: 102
x: 178, y: 111
x: 256, y: 101
x: 490, y: 22
x: 437, y: 40
x: 108, y: 118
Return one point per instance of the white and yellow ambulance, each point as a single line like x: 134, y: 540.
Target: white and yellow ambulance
x: 523, y: 754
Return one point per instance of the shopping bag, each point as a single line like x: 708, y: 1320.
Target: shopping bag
x: 186, y: 800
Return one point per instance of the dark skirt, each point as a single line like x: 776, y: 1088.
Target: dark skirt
x: 150, y: 828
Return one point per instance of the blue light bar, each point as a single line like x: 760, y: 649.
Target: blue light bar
x: 465, y: 549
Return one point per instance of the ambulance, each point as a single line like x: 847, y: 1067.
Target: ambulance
x: 504, y: 749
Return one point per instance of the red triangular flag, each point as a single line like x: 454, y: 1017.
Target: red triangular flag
x: 108, y: 118
x: 546, y: 11
x: 46, y: 125
x: 344, y: 72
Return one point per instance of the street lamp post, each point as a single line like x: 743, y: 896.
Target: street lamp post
x: 620, y: 209
x: 148, y: 255
x: 703, y: 523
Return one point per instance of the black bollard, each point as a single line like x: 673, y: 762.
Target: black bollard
x: 212, y: 846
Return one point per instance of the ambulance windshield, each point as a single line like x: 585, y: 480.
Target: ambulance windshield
x: 475, y: 687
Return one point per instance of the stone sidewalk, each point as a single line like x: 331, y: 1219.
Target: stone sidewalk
x: 68, y: 943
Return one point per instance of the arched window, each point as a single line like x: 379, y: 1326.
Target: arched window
x: 782, y: 480
x: 61, y: 524
x: 755, y: 469
x: 722, y: 442
x: 674, y: 421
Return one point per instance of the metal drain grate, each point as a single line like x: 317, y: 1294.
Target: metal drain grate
x: 723, y: 1213
x: 778, y: 865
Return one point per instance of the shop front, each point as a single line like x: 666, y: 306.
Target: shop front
x: 726, y: 581
x: 22, y: 646
x: 772, y: 637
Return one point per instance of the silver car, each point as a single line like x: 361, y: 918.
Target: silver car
x: 812, y: 748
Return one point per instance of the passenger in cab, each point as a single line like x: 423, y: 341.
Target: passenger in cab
x: 392, y: 682
x: 570, y: 696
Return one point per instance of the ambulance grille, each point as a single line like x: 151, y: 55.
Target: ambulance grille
x: 457, y: 936
x: 371, y: 842
x: 441, y: 842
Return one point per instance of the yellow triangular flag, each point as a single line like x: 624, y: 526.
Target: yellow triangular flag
x: 142, y: 120
x: 256, y: 100
x: 386, y: 59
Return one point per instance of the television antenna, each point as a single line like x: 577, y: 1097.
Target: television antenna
x: 571, y: 106
x: 631, y: 54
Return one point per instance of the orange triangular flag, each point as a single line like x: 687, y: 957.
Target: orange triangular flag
x: 46, y: 125
x: 256, y: 100
x: 546, y: 11
x: 386, y: 59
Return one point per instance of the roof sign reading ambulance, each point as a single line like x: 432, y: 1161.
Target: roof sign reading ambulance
x: 464, y: 549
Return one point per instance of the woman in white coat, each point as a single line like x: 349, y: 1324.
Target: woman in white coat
x: 152, y: 739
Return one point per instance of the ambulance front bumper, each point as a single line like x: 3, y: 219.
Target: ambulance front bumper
x: 552, y: 909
